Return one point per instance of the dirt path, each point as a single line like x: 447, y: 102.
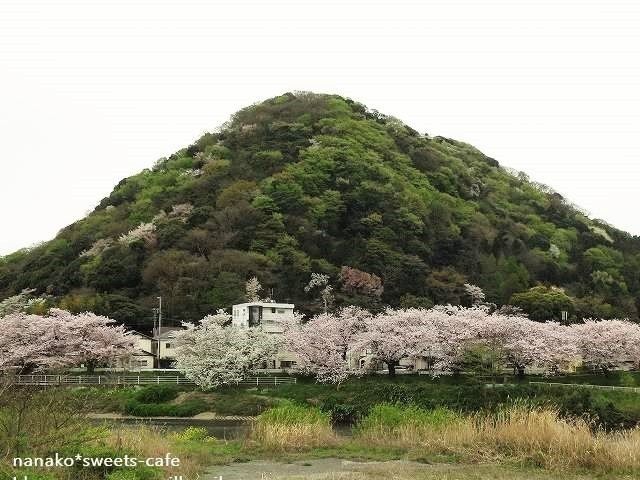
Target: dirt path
x: 324, y: 468
x: 338, y: 469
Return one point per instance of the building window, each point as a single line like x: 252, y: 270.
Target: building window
x: 168, y: 345
x: 287, y: 364
x: 273, y: 310
x: 281, y: 310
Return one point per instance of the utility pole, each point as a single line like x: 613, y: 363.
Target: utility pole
x: 159, y: 327
x: 155, y: 321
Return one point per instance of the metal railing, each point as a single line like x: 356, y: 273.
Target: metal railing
x: 585, y: 385
x: 266, y: 381
x: 111, y: 380
x: 106, y: 380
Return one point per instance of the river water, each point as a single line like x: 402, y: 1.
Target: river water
x: 222, y: 429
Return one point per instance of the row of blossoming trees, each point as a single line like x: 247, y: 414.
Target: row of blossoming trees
x: 60, y: 339
x: 328, y: 344
x: 331, y: 346
x: 352, y: 341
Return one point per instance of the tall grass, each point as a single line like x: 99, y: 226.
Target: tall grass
x: 394, y: 424
x: 535, y: 435
x: 293, y: 427
x: 193, y: 447
x: 542, y: 436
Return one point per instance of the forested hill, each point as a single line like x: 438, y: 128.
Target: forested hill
x: 307, y: 183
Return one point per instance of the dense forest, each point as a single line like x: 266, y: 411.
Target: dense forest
x: 306, y: 183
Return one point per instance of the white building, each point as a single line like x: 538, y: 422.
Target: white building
x: 269, y: 316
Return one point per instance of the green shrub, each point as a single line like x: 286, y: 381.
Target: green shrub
x: 157, y: 393
x: 187, y: 409
x: 341, y: 412
x: 104, y: 399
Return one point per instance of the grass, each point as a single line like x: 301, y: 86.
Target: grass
x: 195, y: 449
x: 293, y: 427
x: 531, y: 435
x: 385, y: 420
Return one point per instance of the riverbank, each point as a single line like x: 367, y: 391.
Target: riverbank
x: 396, y: 426
x: 353, y: 399
x: 295, y: 442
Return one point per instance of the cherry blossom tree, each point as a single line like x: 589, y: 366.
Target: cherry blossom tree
x: 212, y: 355
x: 607, y: 344
x: 391, y: 336
x: 61, y: 339
x: 181, y: 211
x: 31, y: 342
x: 443, y: 334
x: 145, y: 232
x: 558, y: 348
x: 321, y: 281
x: 221, y: 317
x: 475, y: 293
x: 514, y: 339
x: 323, y: 344
x: 15, y: 303
x: 97, y: 247
x: 253, y: 289
x: 446, y: 330
x: 505, y: 339
x: 92, y: 339
x: 23, y: 302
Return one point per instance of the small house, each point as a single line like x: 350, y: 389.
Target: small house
x: 164, y: 340
x: 143, y: 357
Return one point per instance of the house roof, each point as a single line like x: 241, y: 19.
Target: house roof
x: 166, y: 332
x: 266, y: 304
x: 140, y: 334
x: 142, y: 353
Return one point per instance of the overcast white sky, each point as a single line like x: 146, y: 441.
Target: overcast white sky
x: 93, y: 91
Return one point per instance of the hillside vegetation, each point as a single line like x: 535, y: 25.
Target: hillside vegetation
x: 306, y: 183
